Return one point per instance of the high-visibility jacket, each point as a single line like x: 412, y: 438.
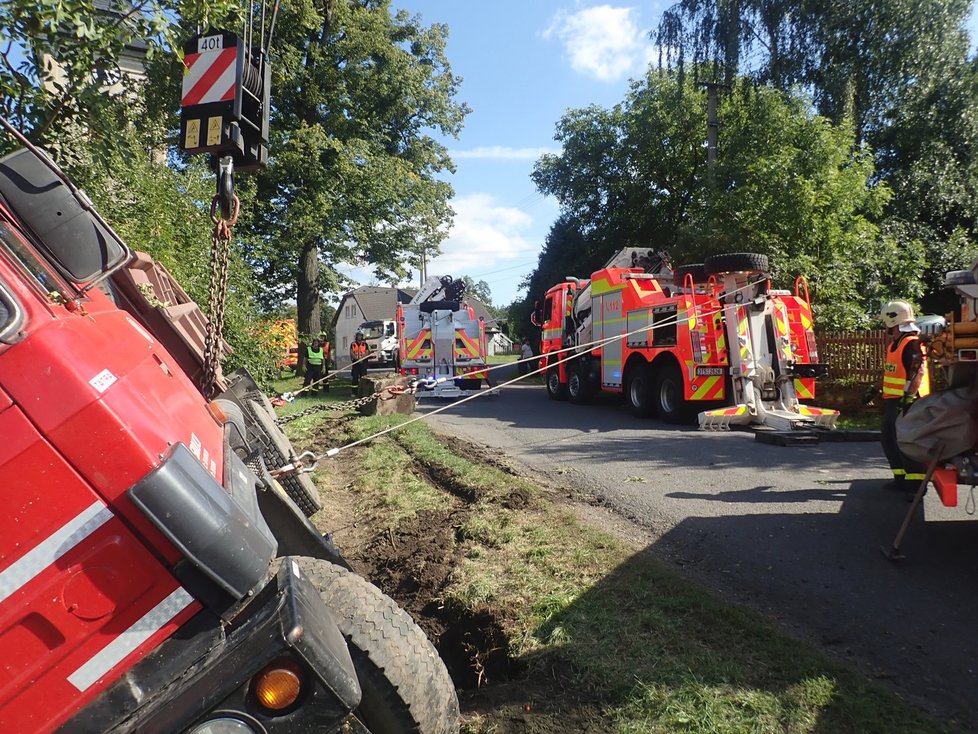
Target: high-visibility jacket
x: 358, y: 350
x: 314, y: 356
x: 895, y: 377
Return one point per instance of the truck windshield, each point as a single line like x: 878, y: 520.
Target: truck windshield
x: 24, y: 257
x: 372, y: 331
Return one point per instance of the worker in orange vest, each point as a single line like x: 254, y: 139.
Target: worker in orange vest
x: 905, y: 378
x: 358, y: 350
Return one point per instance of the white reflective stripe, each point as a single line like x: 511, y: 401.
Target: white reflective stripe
x: 140, y: 631
x: 52, y: 548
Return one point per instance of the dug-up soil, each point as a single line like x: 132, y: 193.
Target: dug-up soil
x: 411, y: 563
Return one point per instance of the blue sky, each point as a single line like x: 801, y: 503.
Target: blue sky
x: 523, y: 64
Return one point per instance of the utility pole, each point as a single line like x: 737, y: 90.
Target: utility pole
x: 423, y: 270
x: 712, y: 126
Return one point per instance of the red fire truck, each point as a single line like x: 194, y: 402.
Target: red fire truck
x: 154, y: 576
x: 714, y: 339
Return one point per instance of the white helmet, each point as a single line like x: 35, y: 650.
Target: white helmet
x: 897, y: 313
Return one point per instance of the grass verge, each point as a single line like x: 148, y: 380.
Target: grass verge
x: 654, y: 652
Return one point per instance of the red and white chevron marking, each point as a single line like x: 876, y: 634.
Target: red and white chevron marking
x: 208, y: 77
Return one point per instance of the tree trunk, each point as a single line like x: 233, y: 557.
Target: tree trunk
x: 307, y: 296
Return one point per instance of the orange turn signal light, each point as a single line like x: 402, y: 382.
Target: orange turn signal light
x: 217, y: 413
x: 278, y: 685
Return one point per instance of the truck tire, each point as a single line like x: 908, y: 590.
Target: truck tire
x: 406, y: 687
x: 578, y: 391
x: 638, y: 390
x: 276, y: 452
x: 668, y: 394
x: 555, y: 388
x: 736, y: 262
x: 697, y: 270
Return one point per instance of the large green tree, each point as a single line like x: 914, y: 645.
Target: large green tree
x: 358, y: 93
x: 787, y: 183
x: 60, y: 72
x: 898, y: 69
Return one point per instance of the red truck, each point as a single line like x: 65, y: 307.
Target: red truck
x: 154, y: 576
x: 713, y: 339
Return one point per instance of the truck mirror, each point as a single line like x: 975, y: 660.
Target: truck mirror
x: 390, y: 329
x: 535, y: 316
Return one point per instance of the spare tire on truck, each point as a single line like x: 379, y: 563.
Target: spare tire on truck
x: 736, y: 262
x: 404, y: 683
x: 696, y: 270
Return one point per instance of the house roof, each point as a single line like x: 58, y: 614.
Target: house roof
x: 380, y: 302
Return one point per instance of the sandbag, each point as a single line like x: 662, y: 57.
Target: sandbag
x: 949, y: 417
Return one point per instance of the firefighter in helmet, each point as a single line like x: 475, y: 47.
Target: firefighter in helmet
x: 358, y: 352
x: 905, y: 378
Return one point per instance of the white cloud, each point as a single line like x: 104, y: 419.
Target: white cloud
x: 603, y: 41
x: 501, y: 152
x: 483, y: 235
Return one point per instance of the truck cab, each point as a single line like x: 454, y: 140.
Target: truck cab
x: 382, y: 343
x: 154, y: 576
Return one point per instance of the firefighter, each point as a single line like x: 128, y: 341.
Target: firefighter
x: 358, y: 350
x: 905, y: 378
x: 315, y: 359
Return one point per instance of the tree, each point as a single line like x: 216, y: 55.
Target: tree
x: 788, y: 183
x: 352, y: 170
x: 60, y: 77
x: 479, y: 289
x: 898, y: 70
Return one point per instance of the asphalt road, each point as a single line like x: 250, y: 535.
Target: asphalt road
x: 793, y: 531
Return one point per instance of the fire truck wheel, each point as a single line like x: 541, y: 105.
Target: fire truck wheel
x: 638, y: 390
x: 577, y: 388
x: 405, y: 685
x: 736, y: 262
x: 668, y: 392
x: 697, y: 271
x: 555, y: 388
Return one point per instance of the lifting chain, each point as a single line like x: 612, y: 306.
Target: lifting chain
x: 224, y: 215
x: 391, y: 392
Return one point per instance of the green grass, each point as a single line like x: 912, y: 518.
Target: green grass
x: 653, y: 651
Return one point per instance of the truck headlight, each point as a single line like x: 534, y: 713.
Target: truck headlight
x: 223, y: 725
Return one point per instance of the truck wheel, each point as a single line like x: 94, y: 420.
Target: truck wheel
x: 577, y: 388
x: 405, y: 685
x: 237, y: 438
x: 555, y: 388
x: 697, y: 270
x: 638, y: 390
x: 668, y: 393
x: 736, y: 262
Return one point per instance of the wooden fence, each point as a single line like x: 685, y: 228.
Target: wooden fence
x: 852, y: 354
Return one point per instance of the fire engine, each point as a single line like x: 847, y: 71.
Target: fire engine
x: 442, y: 342
x: 713, y: 338
x: 154, y: 576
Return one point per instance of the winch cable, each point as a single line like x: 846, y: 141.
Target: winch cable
x: 301, y: 465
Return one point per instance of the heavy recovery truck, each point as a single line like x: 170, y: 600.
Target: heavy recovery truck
x: 941, y: 429
x: 442, y: 342
x: 154, y: 576
x: 713, y: 338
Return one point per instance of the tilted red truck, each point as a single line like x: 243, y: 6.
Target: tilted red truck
x: 154, y: 577
x: 712, y: 338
